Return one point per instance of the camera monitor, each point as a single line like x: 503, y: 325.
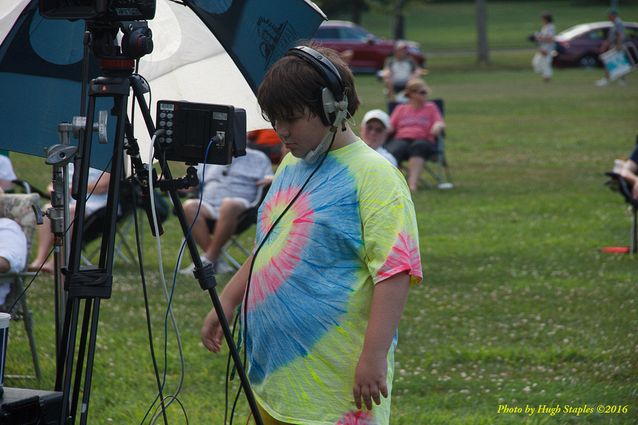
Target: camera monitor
x: 189, y: 129
x: 108, y: 10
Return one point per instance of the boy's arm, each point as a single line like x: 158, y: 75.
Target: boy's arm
x: 232, y: 295
x: 388, y: 300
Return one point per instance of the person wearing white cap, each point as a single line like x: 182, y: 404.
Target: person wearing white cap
x: 374, y: 131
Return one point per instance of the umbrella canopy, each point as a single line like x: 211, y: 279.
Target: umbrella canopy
x: 205, y: 51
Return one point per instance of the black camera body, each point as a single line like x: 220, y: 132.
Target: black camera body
x: 104, y: 10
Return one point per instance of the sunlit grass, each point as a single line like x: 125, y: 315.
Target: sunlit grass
x: 518, y: 306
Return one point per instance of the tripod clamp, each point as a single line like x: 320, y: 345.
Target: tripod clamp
x: 58, y: 156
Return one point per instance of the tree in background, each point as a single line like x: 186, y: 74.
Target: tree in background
x: 481, y: 33
x: 355, y: 9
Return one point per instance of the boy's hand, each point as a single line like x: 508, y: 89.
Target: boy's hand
x: 212, y: 334
x: 370, y: 380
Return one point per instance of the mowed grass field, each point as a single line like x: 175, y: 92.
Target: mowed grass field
x: 518, y: 307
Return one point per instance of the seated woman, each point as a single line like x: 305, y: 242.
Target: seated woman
x: 417, y: 125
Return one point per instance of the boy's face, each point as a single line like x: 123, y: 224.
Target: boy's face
x: 301, y: 134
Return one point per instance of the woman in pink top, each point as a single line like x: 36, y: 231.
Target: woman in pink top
x: 416, y: 124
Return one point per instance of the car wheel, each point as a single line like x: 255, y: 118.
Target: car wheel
x: 588, y: 61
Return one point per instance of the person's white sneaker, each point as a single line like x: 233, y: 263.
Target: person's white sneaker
x: 446, y: 185
x: 602, y: 82
x: 191, y: 268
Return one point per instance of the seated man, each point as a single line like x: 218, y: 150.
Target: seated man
x: 227, y: 191
x: 374, y: 132
x: 399, y: 69
x: 417, y: 125
x: 97, y: 193
x: 13, y: 252
x: 628, y: 170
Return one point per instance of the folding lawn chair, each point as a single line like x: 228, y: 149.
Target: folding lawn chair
x: 130, y: 201
x: 439, y: 169
x: 619, y: 183
x: 246, y: 220
x: 22, y: 209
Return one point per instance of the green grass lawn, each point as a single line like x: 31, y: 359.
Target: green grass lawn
x: 518, y: 306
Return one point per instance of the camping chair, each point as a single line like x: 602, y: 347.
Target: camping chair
x: 439, y: 169
x: 20, y: 208
x: 620, y: 184
x: 246, y: 220
x: 130, y: 201
x: 95, y: 223
x: 436, y: 166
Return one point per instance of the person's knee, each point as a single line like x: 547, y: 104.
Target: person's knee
x: 190, y: 206
x: 422, y: 149
x: 5, y: 266
x: 231, y: 208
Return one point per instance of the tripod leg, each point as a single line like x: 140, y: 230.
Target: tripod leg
x: 89, y: 363
x: 65, y: 371
x: 81, y: 355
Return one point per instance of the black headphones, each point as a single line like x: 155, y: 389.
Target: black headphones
x: 333, y: 97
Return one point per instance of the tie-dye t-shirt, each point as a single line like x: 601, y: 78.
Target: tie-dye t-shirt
x: 311, y: 289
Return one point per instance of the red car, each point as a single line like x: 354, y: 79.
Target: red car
x: 580, y: 44
x: 369, y: 52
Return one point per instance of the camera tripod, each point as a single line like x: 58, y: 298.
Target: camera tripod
x: 94, y: 283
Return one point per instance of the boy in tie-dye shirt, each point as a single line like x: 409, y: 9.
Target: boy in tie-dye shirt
x: 336, y: 251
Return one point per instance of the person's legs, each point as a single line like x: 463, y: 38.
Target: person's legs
x: 229, y: 212
x: 399, y: 149
x: 629, y: 174
x: 199, y: 228
x: 415, y: 168
x: 419, y: 151
x: 536, y: 62
x: 547, y: 68
x: 45, y: 242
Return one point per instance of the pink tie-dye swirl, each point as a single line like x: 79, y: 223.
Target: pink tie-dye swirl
x: 357, y: 418
x: 404, y: 256
x: 268, y: 278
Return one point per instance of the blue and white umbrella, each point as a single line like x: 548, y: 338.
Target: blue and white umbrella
x: 208, y: 51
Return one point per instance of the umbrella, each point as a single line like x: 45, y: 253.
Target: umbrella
x: 205, y: 51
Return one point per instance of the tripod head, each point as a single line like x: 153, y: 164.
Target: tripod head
x: 137, y: 39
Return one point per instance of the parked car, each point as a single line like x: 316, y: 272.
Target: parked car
x: 580, y: 44
x: 368, y: 51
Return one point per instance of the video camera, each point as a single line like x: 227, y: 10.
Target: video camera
x: 105, y: 10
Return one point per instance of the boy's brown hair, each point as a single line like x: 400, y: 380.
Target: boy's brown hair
x: 292, y: 84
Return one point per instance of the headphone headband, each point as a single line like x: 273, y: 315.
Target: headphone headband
x: 323, y: 66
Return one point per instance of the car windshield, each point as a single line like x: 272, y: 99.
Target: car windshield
x: 574, y: 31
x: 355, y: 33
x: 342, y: 33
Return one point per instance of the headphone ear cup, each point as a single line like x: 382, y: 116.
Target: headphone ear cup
x: 329, y: 106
